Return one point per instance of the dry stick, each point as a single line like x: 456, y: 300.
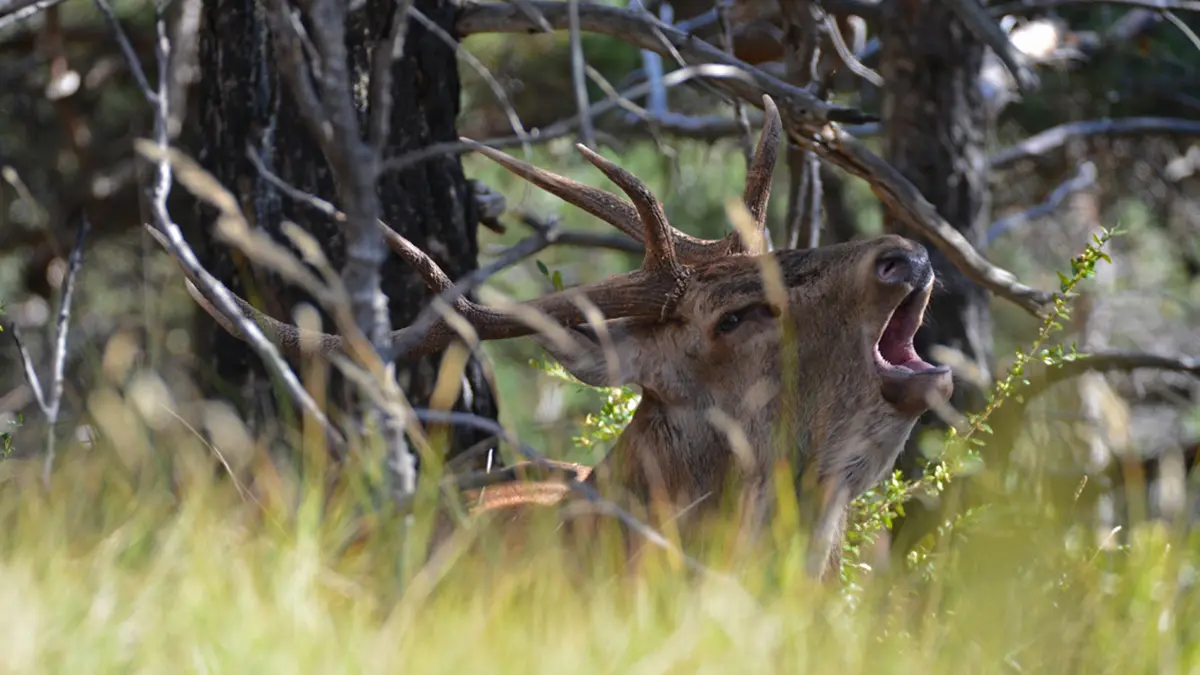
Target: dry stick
x: 1182, y: 28
x: 1054, y: 138
x: 806, y: 119
x: 354, y: 163
x: 180, y: 249
x: 51, y: 404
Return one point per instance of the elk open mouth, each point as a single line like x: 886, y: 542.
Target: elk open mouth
x: 909, y: 382
x: 894, y: 351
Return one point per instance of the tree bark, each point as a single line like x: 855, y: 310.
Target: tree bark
x: 242, y: 102
x: 935, y: 130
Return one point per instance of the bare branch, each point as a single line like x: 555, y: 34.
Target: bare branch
x: 386, y: 50
x: 1082, y: 179
x: 987, y: 31
x: 50, y: 402
x: 1106, y: 361
x: 907, y: 203
x: 1056, y: 137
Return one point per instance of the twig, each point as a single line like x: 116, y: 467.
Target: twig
x: 380, y: 102
x: 1056, y: 137
x: 182, y: 252
x: 50, y: 402
x: 1083, y: 179
x: 127, y: 49
x: 1182, y: 28
x: 739, y: 109
x: 586, y: 130
x: 976, y: 18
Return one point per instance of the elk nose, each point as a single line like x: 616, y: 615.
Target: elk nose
x: 904, y: 266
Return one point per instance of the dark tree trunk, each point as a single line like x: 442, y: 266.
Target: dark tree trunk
x: 935, y: 126
x: 242, y: 102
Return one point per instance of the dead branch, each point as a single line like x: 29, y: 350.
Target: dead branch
x: 804, y: 116
x: 906, y: 202
x: 1055, y: 138
x: 1105, y: 361
x: 1081, y: 180
x: 50, y: 402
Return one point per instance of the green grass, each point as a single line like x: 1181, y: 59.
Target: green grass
x: 155, y: 552
x: 127, y: 567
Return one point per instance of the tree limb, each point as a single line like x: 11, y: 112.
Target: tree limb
x: 1106, y: 361
x: 1056, y: 137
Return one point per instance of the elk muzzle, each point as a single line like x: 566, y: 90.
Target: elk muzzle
x: 909, y: 383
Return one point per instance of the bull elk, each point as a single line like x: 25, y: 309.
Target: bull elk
x: 701, y: 334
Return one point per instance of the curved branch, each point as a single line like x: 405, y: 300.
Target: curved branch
x: 1107, y: 361
x: 1056, y: 137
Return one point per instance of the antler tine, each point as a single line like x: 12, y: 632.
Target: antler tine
x: 602, y: 204
x: 660, y: 240
x: 759, y: 176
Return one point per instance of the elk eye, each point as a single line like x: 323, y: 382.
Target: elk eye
x: 730, y: 320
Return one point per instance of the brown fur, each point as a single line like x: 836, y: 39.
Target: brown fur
x: 672, y: 451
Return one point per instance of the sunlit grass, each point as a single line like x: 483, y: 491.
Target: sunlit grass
x: 167, y: 567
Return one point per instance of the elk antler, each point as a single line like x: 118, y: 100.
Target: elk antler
x: 625, y: 217
x: 649, y: 292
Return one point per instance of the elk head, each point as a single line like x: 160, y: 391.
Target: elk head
x: 697, y: 329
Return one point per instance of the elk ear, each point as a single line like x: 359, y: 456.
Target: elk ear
x: 609, y: 357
